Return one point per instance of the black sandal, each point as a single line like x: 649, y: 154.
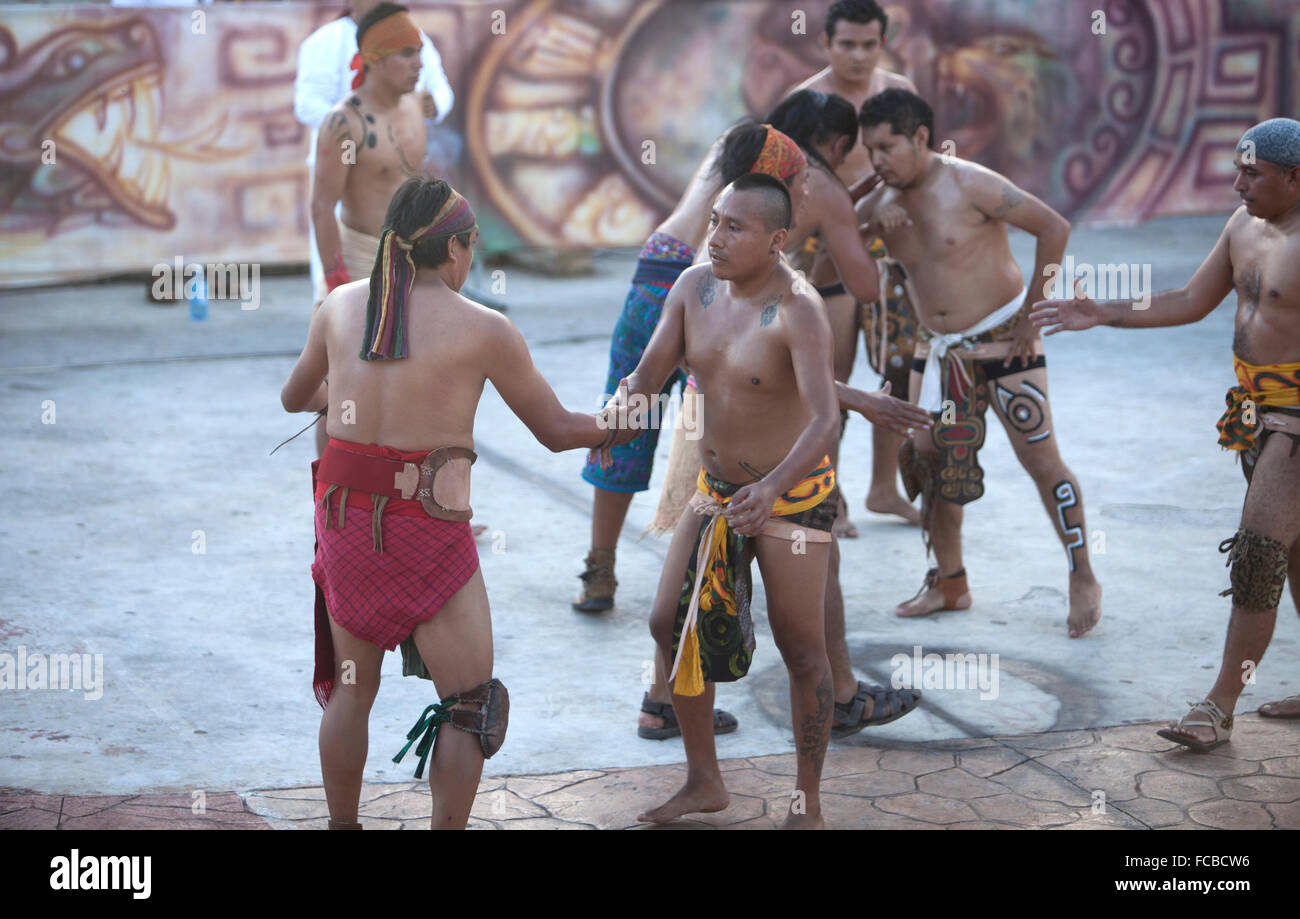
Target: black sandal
x: 723, y: 722
x: 895, y: 703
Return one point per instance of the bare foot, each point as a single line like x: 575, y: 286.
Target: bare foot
x: 1287, y: 708
x: 1085, y: 606
x: 702, y: 798
x: 804, y: 822
x: 931, y: 601
x: 893, y: 503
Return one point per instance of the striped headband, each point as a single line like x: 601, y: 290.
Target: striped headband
x: 393, y: 275
x: 780, y: 157
x: 388, y: 36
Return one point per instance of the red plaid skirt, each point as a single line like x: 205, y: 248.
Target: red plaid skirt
x: 381, y: 598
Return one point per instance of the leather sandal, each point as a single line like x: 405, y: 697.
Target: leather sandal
x: 1220, y: 723
x: 887, y: 705
x: 723, y: 722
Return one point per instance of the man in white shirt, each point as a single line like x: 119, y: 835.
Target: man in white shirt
x: 325, y: 77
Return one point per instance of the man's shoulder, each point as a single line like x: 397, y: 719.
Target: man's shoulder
x: 802, y: 298
x: 969, y: 175
x: 694, y: 275
x: 1239, y: 220
x: 891, y: 80
x: 825, y: 186
x: 343, y: 112
x: 818, y: 81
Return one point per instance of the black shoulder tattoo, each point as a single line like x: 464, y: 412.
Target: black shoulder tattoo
x: 1010, y: 200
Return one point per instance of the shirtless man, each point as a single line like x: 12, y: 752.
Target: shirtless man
x: 369, y: 143
x: 854, y: 40
x: 826, y: 129
x: 401, y: 561
x: 670, y: 250
x: 758, y: 349
x: 946, y: 220
x: 1258, y: 256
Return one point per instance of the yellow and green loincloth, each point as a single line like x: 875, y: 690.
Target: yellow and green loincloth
x: 1244, y: 426
x: 713, y: 635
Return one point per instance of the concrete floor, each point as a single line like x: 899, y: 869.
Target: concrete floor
x: 163, y: 426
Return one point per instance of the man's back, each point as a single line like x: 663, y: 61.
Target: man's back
x: 426, y: 400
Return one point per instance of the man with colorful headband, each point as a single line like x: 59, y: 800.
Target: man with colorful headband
x: 325, y: 76
x: 762, y: 489
x: 395, y: 557
x: 945, y: 220
x: 1258, y: 255
x: 746, y: 148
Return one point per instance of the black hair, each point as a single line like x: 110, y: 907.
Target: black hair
x: 415, y: 203
x: 376, y: 13
x: 777, y: 208
x: 859, y: 11
x: 740, y: 149
x: 810, y: 118
x: 902, y: 109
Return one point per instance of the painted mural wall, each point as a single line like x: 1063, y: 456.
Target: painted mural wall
x: 129, y: 135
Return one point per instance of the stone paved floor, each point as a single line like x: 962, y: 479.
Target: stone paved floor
x: 1108, y: 778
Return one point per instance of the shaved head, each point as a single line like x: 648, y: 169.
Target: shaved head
x: 1275, y: 141
x: 770, y: 199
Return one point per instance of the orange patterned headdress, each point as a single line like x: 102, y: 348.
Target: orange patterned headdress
x: 387, y: 36
x: 780, y: 157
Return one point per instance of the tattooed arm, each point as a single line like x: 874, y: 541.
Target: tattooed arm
x: 336, y: 148
x: 997, y: 198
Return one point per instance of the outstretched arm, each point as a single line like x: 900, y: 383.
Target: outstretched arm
x: 667, y: 345
x: 531, y: 398
x: 884, y: 410
x: 1206, y: 290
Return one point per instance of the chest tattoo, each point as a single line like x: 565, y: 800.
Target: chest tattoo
x: 406, y: 166
x: 769, y: 311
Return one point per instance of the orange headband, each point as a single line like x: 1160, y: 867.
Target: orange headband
x: 780, y: 157
x: 388, y: 36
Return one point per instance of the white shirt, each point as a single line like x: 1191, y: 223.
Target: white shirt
x: 325, y: 78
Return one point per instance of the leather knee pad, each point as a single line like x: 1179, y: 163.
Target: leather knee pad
x: 1259, y: 567
x: 487, y: 714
